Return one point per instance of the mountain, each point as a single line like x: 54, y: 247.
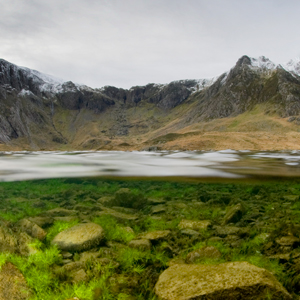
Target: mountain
x: 256, y: 98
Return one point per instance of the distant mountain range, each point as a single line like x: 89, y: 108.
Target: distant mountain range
x: 255, y: 97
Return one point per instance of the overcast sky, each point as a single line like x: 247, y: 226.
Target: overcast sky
x: 135, y: 42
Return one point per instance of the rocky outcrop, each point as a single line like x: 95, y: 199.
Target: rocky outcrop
x: 234, y: 280
x: 40, y: 111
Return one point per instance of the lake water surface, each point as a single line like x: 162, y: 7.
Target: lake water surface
x: 227, y: 164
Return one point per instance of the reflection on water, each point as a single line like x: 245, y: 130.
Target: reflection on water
x: 193, y: 164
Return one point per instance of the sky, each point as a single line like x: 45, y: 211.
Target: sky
x: 126, y: 43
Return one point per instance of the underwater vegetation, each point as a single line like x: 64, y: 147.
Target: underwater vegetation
x: 146, y: 227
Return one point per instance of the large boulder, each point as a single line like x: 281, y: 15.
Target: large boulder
x: 230, y: 281
x: 80, y: 237
x: 13, y: 285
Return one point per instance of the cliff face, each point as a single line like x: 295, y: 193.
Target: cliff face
x: 38, y: 111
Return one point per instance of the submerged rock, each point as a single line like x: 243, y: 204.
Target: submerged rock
x: 8, y: 241
x: 288, y: 241
x: 117, y: 215
x: 142, y: 244
x: 32, y: 229
x: 42, y: 221
x: 13, y: 285
x: 234, y: 214
x: 205, y: 252
x: 230, y: 281
x: 155, y: 235
x: 60, y: 212
x: 80, y: 237
x: 194, y: 225
x: 223, y: 231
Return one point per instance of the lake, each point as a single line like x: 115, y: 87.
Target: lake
x: 151, y: 211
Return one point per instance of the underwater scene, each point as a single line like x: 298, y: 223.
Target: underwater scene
x: 160, y: 225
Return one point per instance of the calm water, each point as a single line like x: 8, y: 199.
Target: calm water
x: 226, y: 164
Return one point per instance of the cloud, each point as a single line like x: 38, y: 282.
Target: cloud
x: 133, y: 42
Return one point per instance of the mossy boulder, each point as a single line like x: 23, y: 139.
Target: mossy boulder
x: 81, y: 237
x: 230, y: 281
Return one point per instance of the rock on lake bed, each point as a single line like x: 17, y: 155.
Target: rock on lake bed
x: 79, y: 237
x: 230, y: 281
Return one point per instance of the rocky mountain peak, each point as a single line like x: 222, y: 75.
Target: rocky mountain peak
x: 293, y: 66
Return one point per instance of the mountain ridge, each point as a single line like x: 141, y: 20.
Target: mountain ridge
x: 39, y: 112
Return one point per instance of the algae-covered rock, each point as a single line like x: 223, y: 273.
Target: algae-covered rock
x: 205, y: 252
x: 194, y: 225
x: 234, y: 214
x: 60, y: 212
x: 79, y: 276
x: 116, y: 214
x: 142, y: 244
x: 223, y: 231
x: 288, y: 241
x: 190, y: 232
x: 13, y: 285
x: 124, y: 197
x: 32, y: 229
x: 155, y: 235
x: 8, y: 241
x: 42, y: 221
x: 230, y: 281
x: 158, y: 209
x: 80, y: 237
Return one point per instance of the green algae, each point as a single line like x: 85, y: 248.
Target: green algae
x: 141, y: 268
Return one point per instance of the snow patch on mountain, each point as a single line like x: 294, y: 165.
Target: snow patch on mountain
x: 262, y: 63
x: 45, y: 77
x: 293, y: 66
x: 24, y: 93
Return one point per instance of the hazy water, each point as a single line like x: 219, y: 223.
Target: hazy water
x: 227, y: 164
